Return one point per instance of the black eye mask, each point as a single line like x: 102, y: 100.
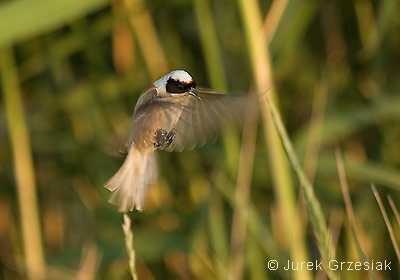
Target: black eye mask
x: 174, y: 86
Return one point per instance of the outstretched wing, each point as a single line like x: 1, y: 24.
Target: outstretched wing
x: 201, y: 119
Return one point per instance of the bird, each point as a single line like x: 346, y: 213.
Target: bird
x: 171, y: 115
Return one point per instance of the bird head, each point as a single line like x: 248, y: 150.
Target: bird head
x: 176, y: 82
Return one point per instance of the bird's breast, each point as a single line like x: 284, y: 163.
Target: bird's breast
x: 149, y: 118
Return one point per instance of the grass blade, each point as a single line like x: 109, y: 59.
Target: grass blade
x: 387, y: 222
x: 314, y: 208
x: 394, y: 208
x: 349, y: 209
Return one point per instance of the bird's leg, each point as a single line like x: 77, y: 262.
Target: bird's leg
x: 163, y: 138
x: 170, y: 138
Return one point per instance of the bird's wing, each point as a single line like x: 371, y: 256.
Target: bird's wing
x: 201, y: 119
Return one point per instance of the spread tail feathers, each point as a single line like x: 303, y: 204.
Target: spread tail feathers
x: 129, y: 184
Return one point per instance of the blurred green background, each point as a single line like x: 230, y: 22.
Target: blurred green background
x: 71, y: 72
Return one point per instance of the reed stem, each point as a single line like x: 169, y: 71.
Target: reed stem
x: 23, y: 167
x: 126, y: 227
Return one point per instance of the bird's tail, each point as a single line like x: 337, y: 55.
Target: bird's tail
x: 129, y: 184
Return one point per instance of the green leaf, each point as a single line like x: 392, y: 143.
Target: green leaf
x: 21, y: 20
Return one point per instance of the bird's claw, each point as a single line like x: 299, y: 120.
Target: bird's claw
x: 163, y: 139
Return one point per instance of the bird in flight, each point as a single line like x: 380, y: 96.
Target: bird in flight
x: 171, y: 115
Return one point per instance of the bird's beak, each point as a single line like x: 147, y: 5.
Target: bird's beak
x: 194, y: 94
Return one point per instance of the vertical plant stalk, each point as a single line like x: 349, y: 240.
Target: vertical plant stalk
x: 23, y: 167
x: 387, y: 221
x: 243, y: 186
x: 271, y: 22
x: 126, y: 227
x: 350, y: 210
x: 367, y: 26
x: 314, y: 208
x: 90, y: 262
x: 215, y: 70
x: 210, y: 44
x: 147, y: 37
x: 282, y: 179
x: 123, y: 45
x: 218, y: 236
x: 216, y: 75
